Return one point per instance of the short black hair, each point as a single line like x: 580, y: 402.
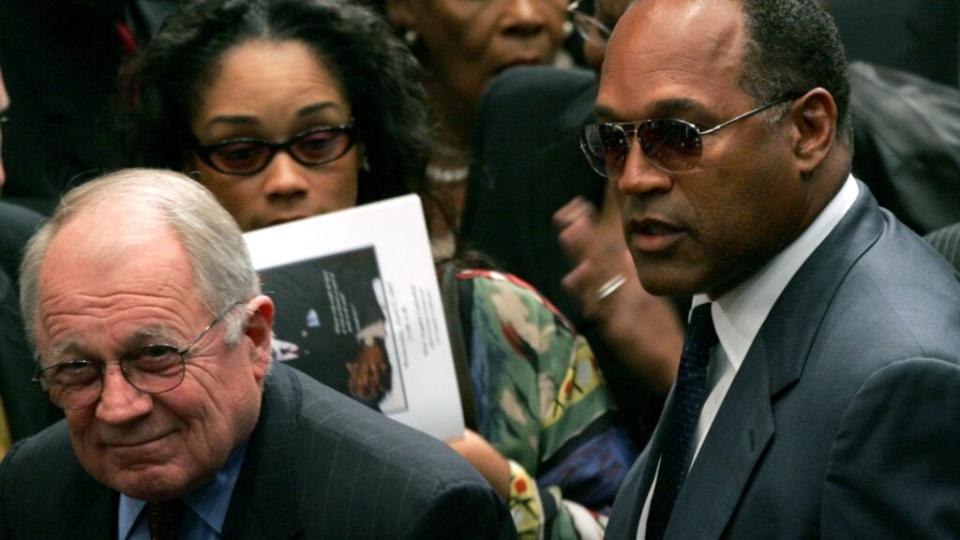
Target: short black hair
x: 162, y: 86
x: 794, y: 46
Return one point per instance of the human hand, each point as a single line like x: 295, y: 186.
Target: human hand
x: 603, y: 277
x: 643, y: 330
x: 485, y: 458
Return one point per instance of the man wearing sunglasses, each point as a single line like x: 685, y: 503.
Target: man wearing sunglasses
x: 818, y: 392
x: 525, y: 169
x: 153, y: 337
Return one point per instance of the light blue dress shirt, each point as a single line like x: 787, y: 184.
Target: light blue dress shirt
x: 206, y: 506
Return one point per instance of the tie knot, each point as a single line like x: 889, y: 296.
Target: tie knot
x: 163, y: 519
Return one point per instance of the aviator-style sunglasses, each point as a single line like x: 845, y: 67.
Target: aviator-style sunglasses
x: 249, y: 156
x: 670, y: 144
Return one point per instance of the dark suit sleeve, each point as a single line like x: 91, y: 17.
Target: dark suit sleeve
x: 464, y: 511
x: 893, y: 470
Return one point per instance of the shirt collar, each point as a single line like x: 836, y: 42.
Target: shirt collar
x: 209, y: 503
x: 739, y: 313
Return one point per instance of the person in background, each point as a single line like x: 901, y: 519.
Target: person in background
x: 462, y: 45
x: 289, y: 109
x: 525, y: 178
x: 152, y: 335
x: 818, y: 392
x: 61, y: 59
x: 24, y: 410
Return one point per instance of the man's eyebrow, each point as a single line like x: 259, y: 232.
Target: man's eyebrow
x: 61, y: 348
x: 667, y: 108
x: 151, y: 335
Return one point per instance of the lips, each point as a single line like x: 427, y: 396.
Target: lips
x: 133, y: 442
x: 652, y: 235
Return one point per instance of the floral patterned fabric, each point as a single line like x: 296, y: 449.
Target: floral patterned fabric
x: 542, y: 402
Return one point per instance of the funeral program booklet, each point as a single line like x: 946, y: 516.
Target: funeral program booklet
x: 358, y: 308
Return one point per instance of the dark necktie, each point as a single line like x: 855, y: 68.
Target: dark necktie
x: 684, y: 413
x: 163, y: 519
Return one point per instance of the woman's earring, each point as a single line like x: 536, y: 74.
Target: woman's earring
x: 410, y: 37
x: 365, y: 164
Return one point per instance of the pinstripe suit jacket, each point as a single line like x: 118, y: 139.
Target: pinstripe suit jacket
x: 318, y: 466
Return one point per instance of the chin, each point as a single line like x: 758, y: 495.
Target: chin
x: 661, y: 278
x: 156, y: 483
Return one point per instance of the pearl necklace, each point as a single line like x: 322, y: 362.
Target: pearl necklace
x: 443, y: 175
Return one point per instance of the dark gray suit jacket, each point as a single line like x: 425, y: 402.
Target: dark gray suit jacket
x: 318, y: 466
x: 844, y: 419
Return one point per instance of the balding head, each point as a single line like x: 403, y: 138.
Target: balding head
x: 132, y: 207
x: 697, y: 200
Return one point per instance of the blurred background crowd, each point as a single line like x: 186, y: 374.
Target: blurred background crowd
x: 476, y: 106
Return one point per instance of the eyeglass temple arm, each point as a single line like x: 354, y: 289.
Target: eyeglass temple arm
x: 745, y: 115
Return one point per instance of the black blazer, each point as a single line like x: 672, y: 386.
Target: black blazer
x: 318, y: 466
x: 25, y: 404
x: 526, y: 164
x: 842, y: 421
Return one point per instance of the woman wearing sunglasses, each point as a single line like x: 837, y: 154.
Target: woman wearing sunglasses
x: 286, y: 109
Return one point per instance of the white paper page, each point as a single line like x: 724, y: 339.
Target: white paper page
x: 423, y: 389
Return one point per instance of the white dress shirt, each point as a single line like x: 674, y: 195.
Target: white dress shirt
x: 739, y: 314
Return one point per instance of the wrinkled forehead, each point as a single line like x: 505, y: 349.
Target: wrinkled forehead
x: 96, y: 290
x: 102, y: 253
x: 673, y: 49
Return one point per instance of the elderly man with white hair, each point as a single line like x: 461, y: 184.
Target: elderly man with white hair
x: 154, y: 338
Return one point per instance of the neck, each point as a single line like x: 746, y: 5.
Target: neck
x: 452, y: 115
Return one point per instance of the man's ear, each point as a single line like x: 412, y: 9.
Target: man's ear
x: 814, y: 121
x: 402, y: 14
x: 259, y: 331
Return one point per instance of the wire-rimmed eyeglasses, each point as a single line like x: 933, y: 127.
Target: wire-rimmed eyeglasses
x: 153, y: 369
x: 589, y: 27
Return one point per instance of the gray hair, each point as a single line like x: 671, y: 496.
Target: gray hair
x: 214, y: 244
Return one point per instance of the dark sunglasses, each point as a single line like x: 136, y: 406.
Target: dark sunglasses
x: 670, y: 144
x: 248, y: 156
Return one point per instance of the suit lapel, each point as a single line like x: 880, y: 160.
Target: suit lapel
x: 266, y: 499
x: 88, y: 509
x: 745, y: 424
x: 633, y: 492
x: 741, y: 431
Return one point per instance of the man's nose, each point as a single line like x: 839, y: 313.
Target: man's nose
x: 640, y: 176
x: 120, y: 402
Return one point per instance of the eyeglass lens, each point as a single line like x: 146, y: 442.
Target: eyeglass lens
x: 670, y: 145
x: 152, y: 369
x: 249, y: 156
